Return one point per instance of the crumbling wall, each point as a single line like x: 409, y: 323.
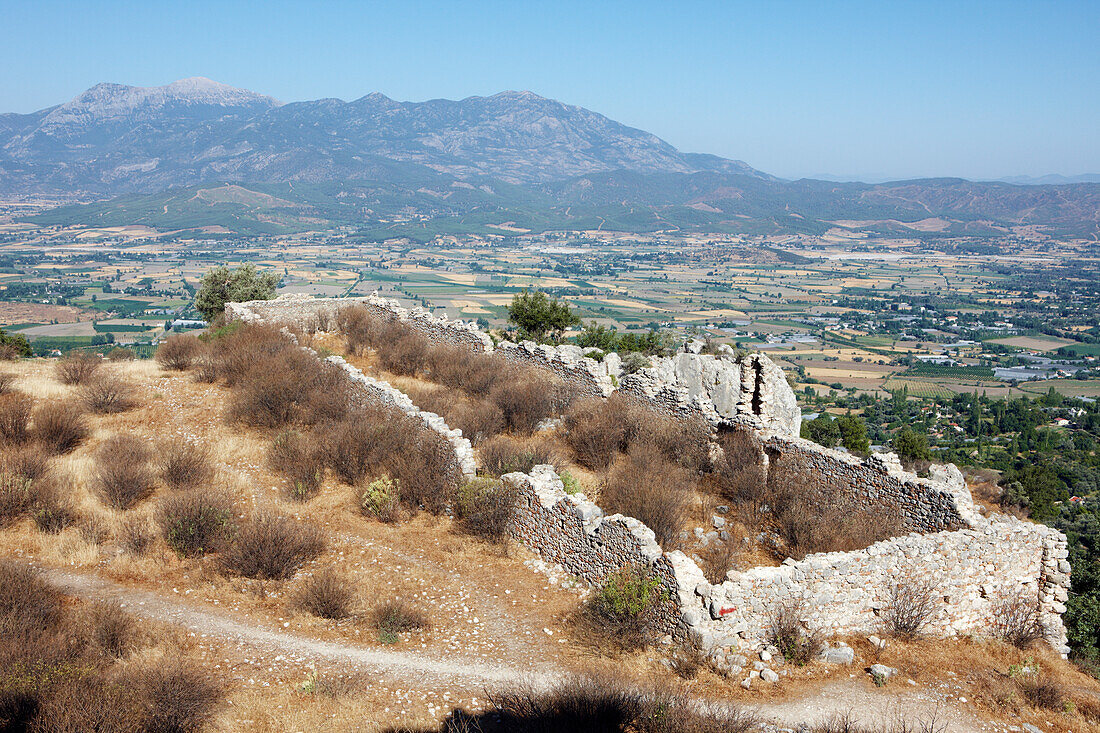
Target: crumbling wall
x: 748, y: 390
x: 940, y: 502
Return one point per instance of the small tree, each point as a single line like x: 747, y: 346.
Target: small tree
x: 537, y: 315
x: 912, y: 446
x: 822, y: 430
x: 853, y: 433
x: 222, y: 285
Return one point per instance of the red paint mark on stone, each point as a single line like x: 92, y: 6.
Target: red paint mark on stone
x: 726, y: 611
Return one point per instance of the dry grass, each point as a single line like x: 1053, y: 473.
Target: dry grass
x: 15, y: 417
x: 397, y: 617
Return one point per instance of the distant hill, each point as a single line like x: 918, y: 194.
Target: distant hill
x: 512, y: 161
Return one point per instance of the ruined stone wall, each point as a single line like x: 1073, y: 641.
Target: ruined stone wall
x: 748, y: 390
x: 973, y: 571
x: 940, y: 502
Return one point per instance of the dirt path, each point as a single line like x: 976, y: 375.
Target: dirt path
x: 408, y: 667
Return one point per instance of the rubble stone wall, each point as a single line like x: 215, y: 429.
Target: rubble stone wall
x: 940, y: 502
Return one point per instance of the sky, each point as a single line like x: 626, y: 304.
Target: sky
x: 870, y: 90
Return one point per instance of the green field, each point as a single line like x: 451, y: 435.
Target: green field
x: 945, y: 371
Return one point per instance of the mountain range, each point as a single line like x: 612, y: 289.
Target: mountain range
x: 196, y: 153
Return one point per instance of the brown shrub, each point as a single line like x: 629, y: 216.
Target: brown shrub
x: 77, y: 367
x: 740, y: 472
x: 913, y: 601
x: 426, y: 471
x: 7, y: 382
x: 184, y: 465
x: 597, y: 429
x: 326, y: 594
x: 1019, y: 622
x: 461, y: 369
x: 28, y: 601
x: 178, y: 352
x: 356, y: 446
x: 485, y: 509
x: 478, y: 419
x: 301, y: 462
x: 1042, y: 693
x: 135, y: 536
x: 273, y: 547
x: 194, y: 522
x: 360, y: 327
x: 120, y: 353
x: 288, y: 386
x: 205, y: 368
x: 718, y: 559
x: 15, y: 417
x: 112, y: 629
x: 174, y: 696
x: 786, y: 632
x: 15, y: 497
x: 26, y: 461
x: 811, y: 520
x: 123, y: 474
x: 643, y: 484
x: 405, y: 352
x: 526, y: 397
x: 504, y: 454
x: 395, y: 617
x: 245, y: 346
x: 9, y: 352
x: 59, y: 426
x: 107, y: 394
x: 50, y: 508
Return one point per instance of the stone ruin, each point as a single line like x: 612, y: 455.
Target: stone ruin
x: 977, y: 562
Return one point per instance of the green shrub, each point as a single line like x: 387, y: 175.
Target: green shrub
x: 381, y: 499
x: 485, y: 509
x: 196, y: 522
x: 569, y: 483
x: 624, y: 609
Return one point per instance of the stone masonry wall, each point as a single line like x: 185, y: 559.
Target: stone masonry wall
x: 747, y: 390
x: 941, y: 502
x: 977, y: 563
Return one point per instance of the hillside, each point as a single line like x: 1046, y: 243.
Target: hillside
x: 422, y: 168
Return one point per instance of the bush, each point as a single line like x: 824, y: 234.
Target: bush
x: 273, y: 547
x: 786, y: 632
x: 135, y: 536
x: 59, y: 426
x: 7, y: 382
x: 179, y: 352
x: 478, y: 419
x: 395, y: 617
x: 381, y: 500
x: 405, y: 352
x: 76, y: 367
x: 504, y: 454
x: 194, y: 522
x: 15, y: 417
x: 646, y: 486
x: 300, y: 461
x: 1042, y: 693
x: 597, y: 429
x: 107, y: 394
x: 624, y: 608
x: 123, y: 475
x: 1019, y: 622
x: 913, y: 601
x: 111, y: 628
x: 327, y: 595
x: 718, y: 559
x: 184, y: 465
x: 28, y: 601
x: 51, y: 511
x: 174, y: 696
x: 425, y: 469
x: 15, y: 497
x: 526, y: 397
x: 360, y: 327
x: 288, y: 386
x: 599, y: 705
x: 356, y: 446
x: 222, y: 285
x: 120, y: 353
x: 485, y: 509
x: 740, y: 472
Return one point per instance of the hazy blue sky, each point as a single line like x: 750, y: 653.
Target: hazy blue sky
x: 887, y: 88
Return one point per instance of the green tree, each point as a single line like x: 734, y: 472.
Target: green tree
x: 912, y: 446
x: 822, y: 430
x: 853, y: 433
x: 222, y: 285
x: 539, y: 316
x: 15, y: 343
